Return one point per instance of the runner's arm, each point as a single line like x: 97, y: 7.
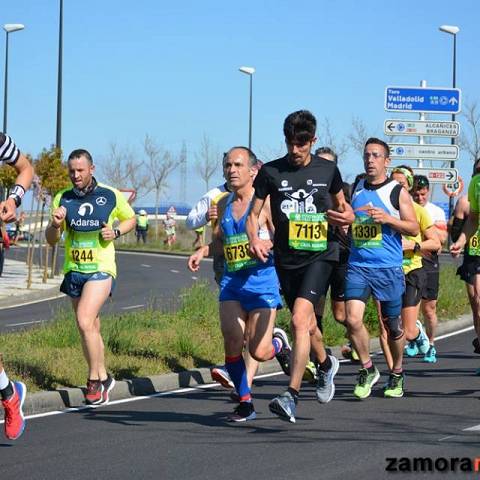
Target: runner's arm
x: 460, y: 213
x: 197, y: 216
x: 468, y: 230
x: 342, y: 213
x: 257, y: 247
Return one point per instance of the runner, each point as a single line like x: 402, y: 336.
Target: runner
x: 421, y: 193
x: 13, y: 393
x: 86, y: 212
x: 249, y: 290
x: 469, y: 271
x: 415, y: 278
x: 298, y: 185
x: 383, y: 212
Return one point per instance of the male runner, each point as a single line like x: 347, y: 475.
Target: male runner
x: 415, y: 277
x: 421, y: 194
x: 383, y: 213
x: 86, y: 212
x: 249, y: 290
x: 13, y: 393
x: 469, y: 271
x: 299, y: 185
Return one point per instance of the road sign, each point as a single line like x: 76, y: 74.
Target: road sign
x: 453, y: 189
x: 431, y: 152
x: 436, y: 175
x: 428, y: 128
x: 418, y: 99
x: 129, y: 193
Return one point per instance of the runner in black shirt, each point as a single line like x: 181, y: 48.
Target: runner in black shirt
x: 301, y: 186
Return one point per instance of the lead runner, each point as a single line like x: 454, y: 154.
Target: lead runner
x: 299, y: 185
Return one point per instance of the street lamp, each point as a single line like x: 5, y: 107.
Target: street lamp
x: 58, y: 141
x: 9, y: 28
x: 249, y: 71
x: 452, y: 30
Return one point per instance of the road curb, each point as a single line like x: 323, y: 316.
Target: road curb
x: 65, y: 398
x: 30, y: 297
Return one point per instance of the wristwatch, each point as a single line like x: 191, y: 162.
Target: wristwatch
x: 117, y: 232
x: 416, y: 248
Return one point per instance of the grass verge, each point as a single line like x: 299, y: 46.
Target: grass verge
x: 151, y: 341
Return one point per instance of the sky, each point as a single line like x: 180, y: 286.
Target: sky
x: 170, y: 70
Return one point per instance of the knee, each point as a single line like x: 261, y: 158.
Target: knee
x: 261, y: 354
x: 85, y: 325
x: 353, y: 323
x: 393, y: 326
x: 302, y: 324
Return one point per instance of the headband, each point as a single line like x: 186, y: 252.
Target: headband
x: 407, y: 173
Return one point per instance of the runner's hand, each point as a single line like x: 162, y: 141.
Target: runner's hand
x: 8, y: 210
x: 212, y: 213
x: 340, y: 219
x: 456, y: 248
x: 194, y: 261
x: 407, y: 244
x: 379, y: 215
x: 58, y: 216
x: 259, y: 249
x: 107, y: 232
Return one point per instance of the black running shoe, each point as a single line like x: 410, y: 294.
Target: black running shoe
x: 108, y: 385
x: 243, y: 412
x: 476, y: 345
x: 283, y: 356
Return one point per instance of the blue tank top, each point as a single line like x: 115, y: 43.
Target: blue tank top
x: 374, y: 245
x: 242, y: 271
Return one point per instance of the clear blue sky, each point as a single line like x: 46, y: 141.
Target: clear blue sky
x: 170, y: 69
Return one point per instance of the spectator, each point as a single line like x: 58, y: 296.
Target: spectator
x: 169, y: 224
x: 141, y: 227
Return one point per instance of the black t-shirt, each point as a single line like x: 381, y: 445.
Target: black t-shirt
x: 298, y: 190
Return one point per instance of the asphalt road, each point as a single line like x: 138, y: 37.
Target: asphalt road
x: 143, y: 279
x: 183, y: 435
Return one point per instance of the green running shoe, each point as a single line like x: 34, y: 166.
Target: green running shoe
x: 366, y: 381
x: 394, y: 389
x: 310, y: 374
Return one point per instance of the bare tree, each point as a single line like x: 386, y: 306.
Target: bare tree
x: 208, y: 160
x: 267, y: 154
x: 327, y: 138
x: 470, y: 140
x: 160, y: 164
x: 359, y: 135
x: 121, y: 169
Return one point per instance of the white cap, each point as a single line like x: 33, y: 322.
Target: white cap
x: 142, y: 212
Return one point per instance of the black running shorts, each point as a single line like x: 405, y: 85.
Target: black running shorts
x: 432, y: 284
x: 415, y: 282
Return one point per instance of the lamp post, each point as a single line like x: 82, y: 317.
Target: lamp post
x: 58, y: 142
x: 9, y: 28
x: 452, y: 30
x: 249, y: 71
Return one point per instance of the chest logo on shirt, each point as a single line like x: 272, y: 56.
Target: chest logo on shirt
x: 300, y: 201
x: 100, y: 201
x: 85, y: 209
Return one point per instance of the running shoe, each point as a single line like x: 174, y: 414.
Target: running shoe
x: 325, y: 385
x: 366, y: 380
x: 94, y: 395
x: 283, y: 356
x: 476, y: 345
x: 411, y: 348
x: 349, y: 353
x: 283, y: 406
x: 423, y: 344
x: 108, y: 385
x: 14, y: 419
x: 243, y: 412
x: 310, y: 374
x: 431, y: 355
x: 394, y: 389
x: 220, y: 375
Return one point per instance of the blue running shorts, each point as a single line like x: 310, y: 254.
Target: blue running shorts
x: 384, y: 284
x: 73, y: 282
x: 251, y: 300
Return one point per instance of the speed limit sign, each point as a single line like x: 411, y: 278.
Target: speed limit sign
x: 453, y: 189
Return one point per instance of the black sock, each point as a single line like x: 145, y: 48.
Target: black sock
x: 326, y: 365
x: 7, y: 392
x: 371, y: 369
x: 294, y: 393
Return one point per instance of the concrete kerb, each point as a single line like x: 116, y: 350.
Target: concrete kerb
x: 65, y: 398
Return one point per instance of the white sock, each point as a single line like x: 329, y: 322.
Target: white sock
x: 4, y: 381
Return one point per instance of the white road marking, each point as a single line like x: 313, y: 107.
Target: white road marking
x: 145, y: 265
x: 174, y: 271
x: 59, y: 295
x: 475, y: 428
x: 22, y: 323
x: 133, y: 306
x: 445, y: 438
x: 159, y: 255
x: 194, y: 278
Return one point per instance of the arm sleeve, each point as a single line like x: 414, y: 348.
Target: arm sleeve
x: 456, y: 228
x: 337, y: 182
x: 261, y: 184
x: 198, y: 214
x: 9, y: 152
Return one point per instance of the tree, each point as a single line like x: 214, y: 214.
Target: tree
x: 326, y: 138
x: 208, y: 160
x: 470, y: 140
x: 121, y: 169
x: 52, y: 172
x: 359, y: 135
x: 160, y: 163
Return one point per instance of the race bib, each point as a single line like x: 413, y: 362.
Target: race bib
x: 235, y: 250
x: 474, y: 245
x: 366, y: 233
x: 84, y: 251
x: 307, y: 231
